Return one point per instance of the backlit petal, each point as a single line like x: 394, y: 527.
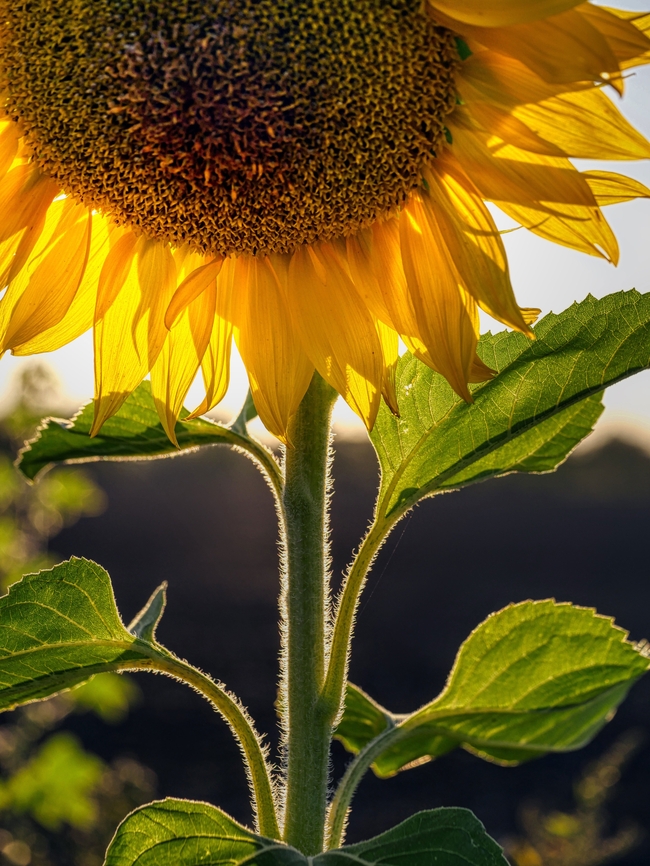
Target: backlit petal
x: 130, y: 331
x: 446, y: 314
x: 52, y: 280
x: 390, y: 349
x: 625, y: 40
x: 563, y: 209
x: 582, y: 229
x: 473, y: 240
x: 611, y: 188
x: 80, y: 315
x: 25, y: 194
x: 499, y: 13
x: 585, y: 125
x: 9, y: 138
x: 279, y: 371
x: 337, y: 330
x: 191, y: 287
x: 215, y: 366
x: 564, y: 48
x: 180, y: 358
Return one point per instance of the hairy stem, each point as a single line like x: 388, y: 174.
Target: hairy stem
x: 338, y: 811
x: 239, y: 722
x: 334, y: 687
x: 305, y: 611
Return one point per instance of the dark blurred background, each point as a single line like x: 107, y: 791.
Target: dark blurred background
x: 206, y: 524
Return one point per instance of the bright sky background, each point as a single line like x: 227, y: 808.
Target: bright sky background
x: 544, y: 275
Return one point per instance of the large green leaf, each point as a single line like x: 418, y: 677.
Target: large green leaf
x: 135, y: 432
x: 59, y: 628
x: 184, y: 833
x: 536, y: 677
x: 526, y: 419
x: 439, y: 837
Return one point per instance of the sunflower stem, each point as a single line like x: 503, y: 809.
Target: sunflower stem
x: 305, y: 608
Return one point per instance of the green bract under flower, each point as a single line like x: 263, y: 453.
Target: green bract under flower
x: 231, y: 125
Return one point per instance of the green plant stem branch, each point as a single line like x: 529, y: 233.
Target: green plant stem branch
x: 338, y: 811
x: 261, y: 456
x: 238, y: 720
x: 305, y: 610
x: 334, y: 688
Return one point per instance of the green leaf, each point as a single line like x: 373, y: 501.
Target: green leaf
x: 439, y: 837
x: 57, y: 629
x: 146, y: 622
x: 536, y: 677
x: 134, y: 433
x: 363, y: 720
x: 185, y: 833
x: 527, y: 419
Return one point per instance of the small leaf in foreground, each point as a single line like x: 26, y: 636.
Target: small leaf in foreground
x: 439, y: 837
x: 185, y: 833
x: 146, y: 622
x: 135, y: 432
x: 59, y: 628
x: 526, y: 419
x: 536, y: 677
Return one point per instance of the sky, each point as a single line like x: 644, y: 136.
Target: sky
x: 544, y: 275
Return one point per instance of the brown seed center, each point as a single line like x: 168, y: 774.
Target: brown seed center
x: 231, y: 125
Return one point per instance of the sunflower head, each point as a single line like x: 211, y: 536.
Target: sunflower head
x: 308, y: 177
x: 235, y: 127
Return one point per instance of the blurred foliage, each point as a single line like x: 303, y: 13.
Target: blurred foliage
x: 579, y: 838
x: 59, y: 804
x: 31, y: 514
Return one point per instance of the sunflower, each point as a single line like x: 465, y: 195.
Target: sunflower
x: 308, y: 177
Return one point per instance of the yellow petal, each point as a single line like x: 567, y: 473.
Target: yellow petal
x: 626, y: 41
x: 480, y: 372
x: 563, y: 49
x: 585, y: 125
x: 115, y: 271
x: 80, y: 315
x: 446, y: 314
x: 24, y: 194
x: 192, y: 286
x: 503, y: 171
x: 473, y: 240
x: 500, y: 13
x: 582, y: 229
x: 9, y: 138
x: 505, y: 82
x: 509, y: 128
x: 22, y: 253
x: 611, y: 188
x: 547, y: 195
x: 390, y: 349
x: 130, y: 331
x: 360, y: 260
x: 177, y: 364
x: 641, y: 21
x: 278, y: 369
x: 52, y: 280
x: 336, y: 328
x: 386, y: 260
x: 215, y: 365
x: 363, y: 267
